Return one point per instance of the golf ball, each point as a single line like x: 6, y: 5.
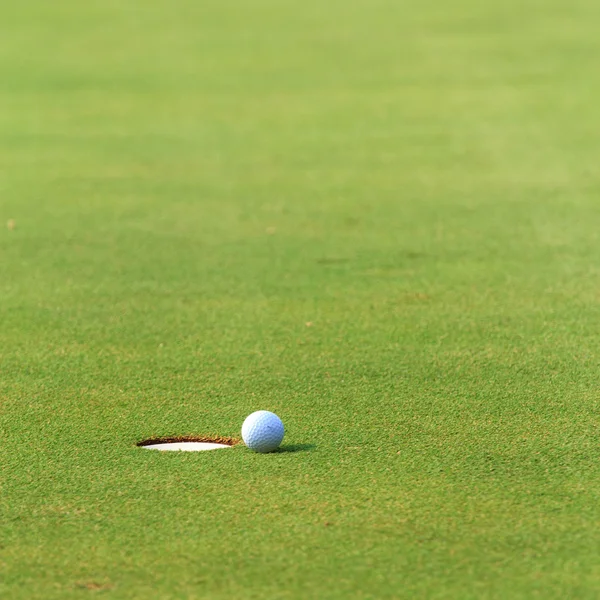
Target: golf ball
x: 262, y: 431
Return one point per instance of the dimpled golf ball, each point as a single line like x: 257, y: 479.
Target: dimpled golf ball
x: 262, y: 431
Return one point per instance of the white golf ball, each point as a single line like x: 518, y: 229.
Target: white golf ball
x: 262, y: 431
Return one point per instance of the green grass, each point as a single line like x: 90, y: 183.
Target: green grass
x: 192, y: 183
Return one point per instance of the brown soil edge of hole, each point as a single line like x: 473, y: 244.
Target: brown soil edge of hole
x: 214, y: 439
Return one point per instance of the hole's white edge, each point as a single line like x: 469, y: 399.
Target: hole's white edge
x: 186, y: 446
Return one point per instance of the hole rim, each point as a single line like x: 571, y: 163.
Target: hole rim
x: 182, y: 439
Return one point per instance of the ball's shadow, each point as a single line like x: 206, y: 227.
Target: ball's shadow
x: 296, y: 448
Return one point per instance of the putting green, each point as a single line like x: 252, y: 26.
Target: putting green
x: 377, y: 219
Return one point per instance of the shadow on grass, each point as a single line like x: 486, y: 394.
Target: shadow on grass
x: 296, y: 448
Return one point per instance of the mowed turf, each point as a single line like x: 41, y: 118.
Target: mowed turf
x: 378, y: 219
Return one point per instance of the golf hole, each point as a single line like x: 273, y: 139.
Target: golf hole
x: 188, y: 443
